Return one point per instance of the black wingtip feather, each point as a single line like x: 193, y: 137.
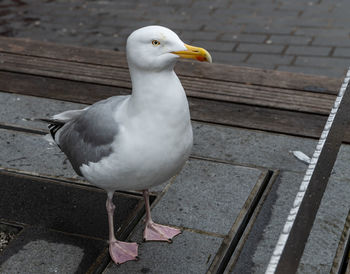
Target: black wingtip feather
x: 54, y: 128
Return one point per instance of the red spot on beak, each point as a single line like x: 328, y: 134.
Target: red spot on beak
x: 200, y: 58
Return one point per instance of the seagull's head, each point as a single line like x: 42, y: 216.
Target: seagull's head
x: 157, y: 48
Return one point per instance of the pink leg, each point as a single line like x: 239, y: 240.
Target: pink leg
x: 157, y: 232
x: 120, y: 252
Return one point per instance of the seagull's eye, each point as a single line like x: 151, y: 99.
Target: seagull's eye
x: 155, y: 43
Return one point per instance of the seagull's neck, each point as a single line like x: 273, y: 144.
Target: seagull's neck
x: 156, y: 88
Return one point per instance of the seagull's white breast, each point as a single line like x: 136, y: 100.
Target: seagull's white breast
x: 153, y: 143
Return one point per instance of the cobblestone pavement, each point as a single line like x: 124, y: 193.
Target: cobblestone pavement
x: 300, y: 36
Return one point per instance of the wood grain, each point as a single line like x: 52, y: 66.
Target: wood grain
x: 257, y: 95
x: 245, y: 75
x: 206, y: 110
x: 282, y: 102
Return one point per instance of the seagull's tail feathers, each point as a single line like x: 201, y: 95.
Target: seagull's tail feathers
x: 54, y: 127
x: 58, y: 121
x: 68, y: 115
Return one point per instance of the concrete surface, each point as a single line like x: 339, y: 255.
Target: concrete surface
x: 256, y: 148
x: 266, y: 230
x: 250, y: 147
x: 327, y: 229
x: 39, y: 250
x: 205, y: 200
x: 29, y: 152
x: 64, y: 207
x: 275, y: 146
x: 19, y: 109
x: 323, y: 242
x: 202, y: 183
x: 299, y: 36
x: 204, y: 187
x: 190, y: 252
x: 221, y: 188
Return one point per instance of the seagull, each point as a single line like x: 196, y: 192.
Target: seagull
x: 136, y: 141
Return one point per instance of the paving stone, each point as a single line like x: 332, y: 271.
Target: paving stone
x: 182, y: 25
x: 249, y: 20
x: 231, y: 58
x: 257, y: 58
x: 322, y: 61
x: 156, y: 10
x: 223, y: 25
x: 341, y: 52
x: 283, y: 139
x: 208, y: 3
x: 235, y: 10
x: 290, y: 39
x: 263, y: 7
x: 325, y: 33
x: 322, y: 244
x: 259, y: 48
x: 263, y: 237
x: 319, y: 12
x: 201, y: 186
x: 61, y: 206
x: 250, y: 38
x: 255, y: 65
x: 29, y: 152
x: 296, y: 6
x: 268, y: 29
x: 321, y: 22
x: 341, y: 169
x: 280, y: 12
x: 334, y: 42
x: 198, y: 35
x: 341, y: 22
x: 244, y: 19
x: 19, y: 109
x: 323, y: 71
x: 250, y: 147
x: 215, y: 46
x: 308, y: 50
x: 190, y: 252
x: 283, y: 25
x: 326, y: 232
x: 38, y: 250
x: 204, y: 185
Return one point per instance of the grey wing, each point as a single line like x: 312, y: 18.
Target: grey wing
x: 88, y: 137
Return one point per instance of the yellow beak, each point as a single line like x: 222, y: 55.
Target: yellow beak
x: 196, y: 53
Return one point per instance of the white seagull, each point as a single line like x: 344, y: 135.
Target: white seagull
x: 137, y: 141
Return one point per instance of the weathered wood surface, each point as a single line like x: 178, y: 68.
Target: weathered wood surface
x: 196, y: 84
x: 252, y: 76
x: 253, y: 98
x: 195, y: 87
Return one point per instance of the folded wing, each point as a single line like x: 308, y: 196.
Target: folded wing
x: 87, y: 135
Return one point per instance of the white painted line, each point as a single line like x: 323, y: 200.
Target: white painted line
x: 276, y: 255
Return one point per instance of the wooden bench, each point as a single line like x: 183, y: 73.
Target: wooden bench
x: 253, y: 98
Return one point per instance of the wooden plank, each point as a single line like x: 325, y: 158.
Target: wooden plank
x: 73, y: 91
x: 259, y: 95
x: 238, y: 96
x: 27, y: 47
x: 262, y: 77
x: 65, y: 70
x: 281, y: 121
x: 196, y: 87
x: 246, y: 75
x: 213, y: 111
